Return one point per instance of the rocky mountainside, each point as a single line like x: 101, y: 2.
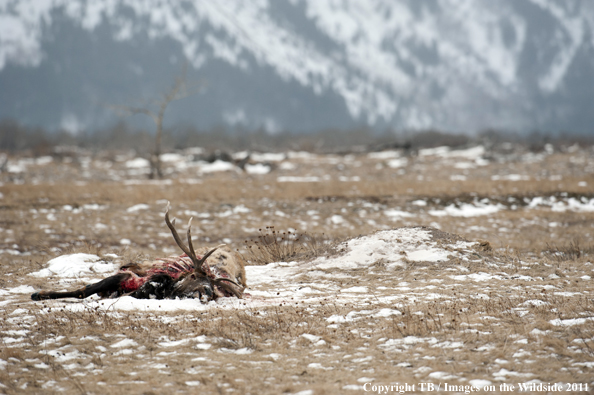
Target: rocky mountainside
x: 303, y: 65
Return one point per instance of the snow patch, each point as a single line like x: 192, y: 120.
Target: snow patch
x: 138, y: 163
x: 468, y: 210
x: 22, y: 289
x: 257, y: 168
x: 216, y: 166
x: 570, y: 322
x: 298, y: 179
x: 76, y: 265
x: 124, y: 343
x: 137, y: 208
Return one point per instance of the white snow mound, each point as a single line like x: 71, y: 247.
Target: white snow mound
x: 75, y: 266
x: 392, y: 247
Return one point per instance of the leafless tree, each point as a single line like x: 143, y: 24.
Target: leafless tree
x: 156, y: 111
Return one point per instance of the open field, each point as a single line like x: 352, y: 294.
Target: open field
x: 481, y: 274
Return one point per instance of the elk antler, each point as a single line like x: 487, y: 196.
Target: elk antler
x: 188, y: 250
x: 225, y: 283
x: 201, y: 261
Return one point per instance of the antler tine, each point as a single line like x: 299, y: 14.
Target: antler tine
x: 188, y: 251
x: 224, y: 283
x: 176, y: 237
x: 201, y: 261
x: 190, y: 245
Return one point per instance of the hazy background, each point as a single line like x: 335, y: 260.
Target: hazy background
x: 301, y: 66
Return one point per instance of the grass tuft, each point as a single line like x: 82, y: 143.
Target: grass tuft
x: 282, y: 246
x: 570, y: 252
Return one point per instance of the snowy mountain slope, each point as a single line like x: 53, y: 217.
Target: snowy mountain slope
x: 304, y: 65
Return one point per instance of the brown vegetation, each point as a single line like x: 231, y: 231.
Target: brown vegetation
x: 538, y: 260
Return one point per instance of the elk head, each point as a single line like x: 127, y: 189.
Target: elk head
x: 202, y: 273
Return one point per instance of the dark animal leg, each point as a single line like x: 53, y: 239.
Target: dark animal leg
x: 106, y: 286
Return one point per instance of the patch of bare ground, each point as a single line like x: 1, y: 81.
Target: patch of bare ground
x: 515, y: 306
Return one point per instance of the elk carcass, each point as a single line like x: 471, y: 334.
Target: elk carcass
x: 205, y: 274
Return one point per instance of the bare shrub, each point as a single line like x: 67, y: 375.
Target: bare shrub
x: 570, y: 252
x: 281, y: 246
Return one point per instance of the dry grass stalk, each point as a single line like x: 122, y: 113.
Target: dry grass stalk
x: 281, y: 246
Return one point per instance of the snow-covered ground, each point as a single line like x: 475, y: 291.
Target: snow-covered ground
x: 278, y: 282
x: 393, y: 277
x: 398, y: 300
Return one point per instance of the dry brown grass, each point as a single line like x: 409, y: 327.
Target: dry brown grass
x: 539, y: 261
x: 358, y: 346
x: 273, y: 245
